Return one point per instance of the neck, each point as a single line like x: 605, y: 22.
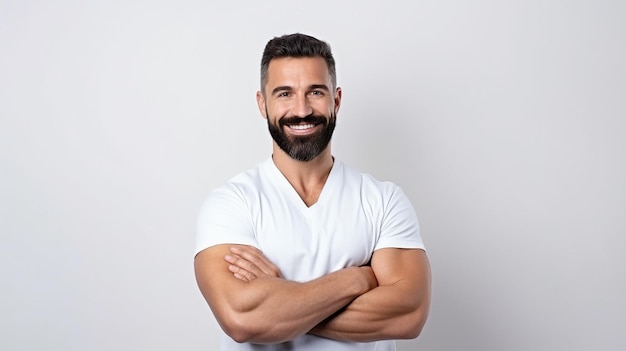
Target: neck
x: 307, y: 178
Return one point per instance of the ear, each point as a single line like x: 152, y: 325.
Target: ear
x: 337, y: 99
x: 260, y: 101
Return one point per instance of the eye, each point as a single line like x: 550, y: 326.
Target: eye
x: 317, y: 93
x: 283, y: 94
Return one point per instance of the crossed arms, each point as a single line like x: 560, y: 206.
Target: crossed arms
x: 253, y: 303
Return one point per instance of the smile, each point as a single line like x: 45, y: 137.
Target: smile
x: 302, y: 126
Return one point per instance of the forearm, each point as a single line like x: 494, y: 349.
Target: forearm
x: 266, y: 309
x: 396, y: 309
x: 271, y: 310
x: 386, y: 312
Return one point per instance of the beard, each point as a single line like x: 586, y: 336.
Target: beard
x: 307, y: 147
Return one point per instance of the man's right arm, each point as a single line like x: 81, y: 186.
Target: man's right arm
x: 269, y: 309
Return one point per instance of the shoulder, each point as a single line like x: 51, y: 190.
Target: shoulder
x: 225, y: 215
x: 234, y: 197
x: 388, y: 206
x: 382, y: 197
x: 241, y: 185
x: 367, y: 183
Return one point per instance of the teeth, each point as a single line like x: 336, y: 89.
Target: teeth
x: 301, y: 126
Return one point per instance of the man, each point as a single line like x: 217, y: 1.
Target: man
x: 302, y: 252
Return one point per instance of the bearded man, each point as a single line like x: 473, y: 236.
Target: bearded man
x: 302, y: 252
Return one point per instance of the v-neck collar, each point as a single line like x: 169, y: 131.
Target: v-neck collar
x: 292, y: 194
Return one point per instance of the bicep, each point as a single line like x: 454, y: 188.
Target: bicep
x: 216, y: 282
x: 406, y: 267
x: 405, y: 275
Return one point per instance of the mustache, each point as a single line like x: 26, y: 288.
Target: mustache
x: 312, y: 119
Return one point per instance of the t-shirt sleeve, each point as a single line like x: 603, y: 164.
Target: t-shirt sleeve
x: 224, y: 219
x: 400, y: 227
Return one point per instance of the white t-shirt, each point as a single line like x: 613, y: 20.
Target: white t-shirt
x: 354, y: 216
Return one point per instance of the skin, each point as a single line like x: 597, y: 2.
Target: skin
x: 250, y: 299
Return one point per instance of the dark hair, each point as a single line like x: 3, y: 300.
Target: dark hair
x: 297, y: 45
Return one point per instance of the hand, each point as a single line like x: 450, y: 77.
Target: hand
x: 370, y: 276
x: 248, y: 263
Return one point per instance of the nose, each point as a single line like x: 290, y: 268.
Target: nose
x: 302, y: 107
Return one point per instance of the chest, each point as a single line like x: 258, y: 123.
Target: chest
x: 306, y: 243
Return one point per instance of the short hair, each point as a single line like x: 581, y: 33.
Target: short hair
x: 296, y: 45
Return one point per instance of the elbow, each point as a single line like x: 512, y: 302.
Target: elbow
x: 408, y: 332
x: 412, y: 333
x: 411, y: 326
x: 244, y: 328
x: 238, y: 328
x: 240, y: 337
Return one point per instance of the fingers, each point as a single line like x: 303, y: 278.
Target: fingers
x: 256, y: 257
x: 241, y: 268
x: 248, y: 263
x: 237, y: 271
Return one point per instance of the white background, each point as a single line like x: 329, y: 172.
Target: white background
x: 504, y: 121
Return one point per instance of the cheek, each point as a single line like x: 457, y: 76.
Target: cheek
x: 277, y: 111
x: 323, y: 108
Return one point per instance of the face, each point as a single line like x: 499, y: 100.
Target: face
x: 300, y: 105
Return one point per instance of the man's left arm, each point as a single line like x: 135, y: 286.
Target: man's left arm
x: 396, y: 309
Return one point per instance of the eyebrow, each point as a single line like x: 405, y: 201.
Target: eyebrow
x: 281, y: 88
x: 288, y: 88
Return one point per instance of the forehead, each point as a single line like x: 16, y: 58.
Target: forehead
x: 297, y: 70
